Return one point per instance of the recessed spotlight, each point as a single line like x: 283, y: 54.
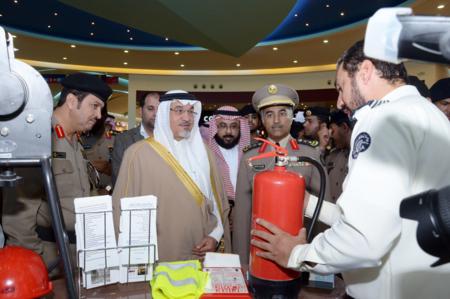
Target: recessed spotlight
x: 295, y: 61
x: 296, y: 15
x: 16, y: 1
x: 1, y: 15
x: 92, y: 33
x: 131, y: 38
x: 325, y: 41
x: 55, y: 14
x: 14, y: 36
x: 275, y: 48
x: 64, y: 58
x: 128, y: 30
x: 176, y: 53
x: 441, y: 6
x: 166, y: 38
x: 125, y: 63
x: 238, y: 64
x: 73, y: 46
x: 182, y: 65
x: 15, y: 49
x: 92, y: 23
x: 327, y: 6
x: 307, y: 24
x: 342, y: 13
x: 125, y: 51
x: 49, y: 26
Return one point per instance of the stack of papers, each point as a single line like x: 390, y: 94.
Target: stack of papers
x: 103, y: 260
x: 96, y: 241
x: 138, y: 246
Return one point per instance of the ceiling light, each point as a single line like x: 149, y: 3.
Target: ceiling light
x: 73, y: 46
x: 307, y: 24
x: 1, y: 15
x: 49, y: 26
x: 55, y: 14
x: 14, y: 36
x: 296, y: 15
x: 166, y: 38
x: 16, y: 1
x: 131, y: 38
x: 275, y: 48
x: 325, y: 41
x: 125, y: 51
x: 238, y: 64
x: 92, y: 23
x: 328, y: 5
x: 295, y: 61
x: 342, y: 13
x: 125, y: 63
x: 182, y: 65
x: 176, y: 53
x: 441, y: 6
x: 128, y: 30
x: 64, y: 58
x: 92, y: 33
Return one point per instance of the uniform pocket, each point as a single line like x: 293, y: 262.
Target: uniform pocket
x: 63, y: 171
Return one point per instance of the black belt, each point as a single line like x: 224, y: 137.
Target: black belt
x: 47, y: 234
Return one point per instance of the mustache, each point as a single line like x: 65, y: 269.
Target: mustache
x: 228, y: 136
x: 277, y: 126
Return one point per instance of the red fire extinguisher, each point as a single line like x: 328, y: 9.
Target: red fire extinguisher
x: 278, y: 197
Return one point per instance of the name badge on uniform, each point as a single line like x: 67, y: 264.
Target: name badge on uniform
x: 259, y: 167
x: 59, y: 155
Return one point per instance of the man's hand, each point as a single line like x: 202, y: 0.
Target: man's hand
x: 102, y: 166
x: 208, y: 244
x: 277, y: 244
x: 324, y: 136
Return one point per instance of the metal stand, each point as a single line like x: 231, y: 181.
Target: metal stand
x: 9, y: 179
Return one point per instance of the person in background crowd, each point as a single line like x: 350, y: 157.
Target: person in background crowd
x: 440, y: 95
x: 254, y: 121
x: 149, y: 106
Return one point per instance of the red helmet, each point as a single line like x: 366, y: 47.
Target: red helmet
x: 22, y: 274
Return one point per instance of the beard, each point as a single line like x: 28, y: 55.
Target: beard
x: 357, y: 98
x: 225, y: 145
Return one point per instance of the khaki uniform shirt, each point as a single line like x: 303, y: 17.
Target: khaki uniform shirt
x: 243, y: 202
x: 25, y: 207
x: 336, y: 163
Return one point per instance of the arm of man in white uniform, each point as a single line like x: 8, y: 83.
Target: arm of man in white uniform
x: 369, y: 223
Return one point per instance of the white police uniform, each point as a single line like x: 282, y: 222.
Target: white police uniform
x: 399, y: 148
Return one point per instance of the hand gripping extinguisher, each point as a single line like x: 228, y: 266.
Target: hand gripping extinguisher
x: 278, y: 197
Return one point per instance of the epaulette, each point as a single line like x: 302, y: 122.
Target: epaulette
x: 377, y: 103
x: 311, y: 143
x: 251, y: 146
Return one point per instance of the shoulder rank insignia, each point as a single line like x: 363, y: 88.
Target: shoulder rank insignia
x: 312, y: 143
x: 59, y: 132
x: 251, y: 146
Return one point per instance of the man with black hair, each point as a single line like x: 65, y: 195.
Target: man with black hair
x: 254, y: 122
x: 316, y: 126
x: 399, y: 149
x: 149, y: 103
x: 336, y: 161
x: 440, y: 95
x: 26, y: 216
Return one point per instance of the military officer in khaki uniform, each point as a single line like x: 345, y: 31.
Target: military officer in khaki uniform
x: 98, y: 147
x: 336, y: 161
x: 26, y: 216
x: 275, y: 104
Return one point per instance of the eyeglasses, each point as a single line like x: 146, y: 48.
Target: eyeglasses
x: 179, y: 111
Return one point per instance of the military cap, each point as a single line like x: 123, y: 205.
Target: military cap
x: 88, y: 83
x: 247, y: 109
x: 440, y: 90
x: 321, y: 112
x: 274, y: 95
x: 420, y: 85
x: 338, y: 117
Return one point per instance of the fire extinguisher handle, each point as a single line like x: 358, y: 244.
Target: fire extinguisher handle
x: 321, y: 193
